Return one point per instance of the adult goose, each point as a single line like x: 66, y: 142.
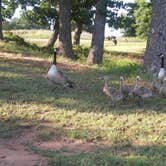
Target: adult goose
x: 56, y: 76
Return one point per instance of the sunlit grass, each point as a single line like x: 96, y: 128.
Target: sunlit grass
x: 133, y: 136
x: 125, y: 45
x: 33, y: 34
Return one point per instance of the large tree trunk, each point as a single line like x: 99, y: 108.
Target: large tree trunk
x: 65, y: 41
x: 96, y: 51
x: 1, y: 34
x: 156, y: 43
x: 54, y: 36
x: 77, y: 34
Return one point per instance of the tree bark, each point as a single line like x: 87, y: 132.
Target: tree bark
x: 54, y: 36
x: 1, y: 33
x: 96, y: 52
x: 77, y: 34
x: 65, y: 41
x: 156, y: 43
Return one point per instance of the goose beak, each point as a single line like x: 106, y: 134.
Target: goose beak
x: 100, y: 78
x: 104, y: 77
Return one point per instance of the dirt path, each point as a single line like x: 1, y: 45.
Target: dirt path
x: 13, y: 152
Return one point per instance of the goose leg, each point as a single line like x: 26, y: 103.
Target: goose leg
x: 141, y: 102
x: 113, y: 103
x: 124, y: 100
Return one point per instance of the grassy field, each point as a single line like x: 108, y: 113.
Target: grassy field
x: 80, y: 126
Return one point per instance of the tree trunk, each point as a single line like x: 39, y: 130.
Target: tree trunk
x: 1, y: 33
x: 156, y: 43
x: 96, y: 52
x: 65, y: 41
x: 54, y: 36
x: 77, y: 34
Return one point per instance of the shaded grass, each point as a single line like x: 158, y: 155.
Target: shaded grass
x: 6, y: 130
x: 45, y: 135
x: 114, y: 155
x: 12, y: 47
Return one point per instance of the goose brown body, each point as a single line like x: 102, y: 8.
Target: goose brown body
x: 125, y: 89
x: 141, y: 91
x: 162, y: 90
x: 155, y: 84
x: 111, y: 92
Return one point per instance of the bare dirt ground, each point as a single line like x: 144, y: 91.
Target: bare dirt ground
x: 14, y: 152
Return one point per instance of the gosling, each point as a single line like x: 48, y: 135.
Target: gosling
x: 141, y: 91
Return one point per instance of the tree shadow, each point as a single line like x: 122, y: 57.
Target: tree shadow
x: 24, y: 81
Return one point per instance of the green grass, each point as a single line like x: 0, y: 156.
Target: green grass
x: 135, y: 136
x: 33, y: 34
x: 115, y: 155
x: 133, y: 46
x: 45, y: 135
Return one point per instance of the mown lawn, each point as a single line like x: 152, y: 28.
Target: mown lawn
x: 125, y: 135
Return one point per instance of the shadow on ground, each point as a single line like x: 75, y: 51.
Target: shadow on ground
x: 23, y: 80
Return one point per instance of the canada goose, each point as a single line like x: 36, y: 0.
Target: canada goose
x: 56, y: 76
x: 113, y: 93
x: 162, y: 90
x: 125, y: 89
x: 155, y: 84
x: 162, y: 72
x: 141, y: 91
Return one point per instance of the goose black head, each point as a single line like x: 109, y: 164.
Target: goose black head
x: 138, y: 78
x: 56, y: 50
x: 161, y: 55
x: 122, y: 78
x: 105, y: 77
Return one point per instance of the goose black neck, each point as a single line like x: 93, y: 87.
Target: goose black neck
x: 162, y: 62
x: 54, y: 61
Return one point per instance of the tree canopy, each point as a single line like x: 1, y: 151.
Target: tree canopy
x: 142, y: 16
